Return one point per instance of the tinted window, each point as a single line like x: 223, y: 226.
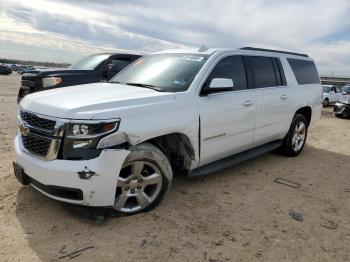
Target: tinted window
x: 262, y: 70
x: 338, y: 89
x: 231, y: 67
x: 305, y: 71
x: 326, y: 89
x: 118, y: 64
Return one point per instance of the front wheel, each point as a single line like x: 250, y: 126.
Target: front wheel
x: 325, y: 102
x: 145, y: 177
x: 295, y: 140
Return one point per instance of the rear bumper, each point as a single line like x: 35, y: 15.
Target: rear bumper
x: 342, y: 109
x: 88, y: 182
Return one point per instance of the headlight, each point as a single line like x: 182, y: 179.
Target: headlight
x: 82, y: 138
x: 51, y: 81
x: 90, y: 130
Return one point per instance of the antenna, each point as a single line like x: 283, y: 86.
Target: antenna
x: 203, y: 48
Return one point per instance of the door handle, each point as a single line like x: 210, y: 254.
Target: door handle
x: 283, y: 97
x: 248, y: 103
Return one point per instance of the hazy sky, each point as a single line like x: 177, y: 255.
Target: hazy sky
x: 65, y: 30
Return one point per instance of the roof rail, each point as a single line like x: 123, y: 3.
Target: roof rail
x: 272, y: 51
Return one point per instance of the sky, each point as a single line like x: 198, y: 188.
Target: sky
x: 64, y: 31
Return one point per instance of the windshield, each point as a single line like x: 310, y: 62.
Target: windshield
x: 167, y: 72
x: 89, y: 63
x: 326, y: 89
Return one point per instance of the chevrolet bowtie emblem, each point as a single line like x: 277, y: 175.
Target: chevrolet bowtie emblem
x: 23, y: 130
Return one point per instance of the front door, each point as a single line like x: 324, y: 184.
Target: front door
x: 227, y: 118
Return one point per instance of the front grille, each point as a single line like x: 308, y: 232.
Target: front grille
x: 36, y: 144
x: 38, y: 122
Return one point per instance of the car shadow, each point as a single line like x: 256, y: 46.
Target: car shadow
x: 54, y: 229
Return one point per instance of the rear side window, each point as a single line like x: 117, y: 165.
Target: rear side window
x: 231, y: 67
x: 265, y: 71
x: 305, y: 71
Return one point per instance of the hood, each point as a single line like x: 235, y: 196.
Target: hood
x: 344, y: 99
x: 41, y: 73
x: 91, y: 101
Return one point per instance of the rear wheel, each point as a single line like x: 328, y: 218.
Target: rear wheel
x: 295, y: 140
x: 144, y: 179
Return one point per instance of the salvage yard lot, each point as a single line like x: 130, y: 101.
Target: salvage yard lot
x: 239, y: 214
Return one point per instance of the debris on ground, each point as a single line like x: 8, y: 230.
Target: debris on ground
x: 286, y: 182
x: 296, y: 216
x: 219, y: 241
x: 329, y: 224
x: 144, y: 241
x: 63, y: 250
x: 76, y: 253
x: 229, y: 236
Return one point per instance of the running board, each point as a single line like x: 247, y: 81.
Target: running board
x: 235, y: 159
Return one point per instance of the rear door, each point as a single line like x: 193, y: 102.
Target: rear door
x: 227, y: 118
x: 273, y: 106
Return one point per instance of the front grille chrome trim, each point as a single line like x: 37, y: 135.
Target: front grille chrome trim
x: 55, y: 135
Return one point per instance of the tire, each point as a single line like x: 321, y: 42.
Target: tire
x: 339, y: 115
x: 291, y: 145
x: 325, y: 102
x: 144, y: 179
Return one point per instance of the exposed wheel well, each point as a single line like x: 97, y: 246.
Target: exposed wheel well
x: 177, y: 147
x: 306, y: 111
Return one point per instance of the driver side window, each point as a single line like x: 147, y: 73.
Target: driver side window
x: 231, y: 67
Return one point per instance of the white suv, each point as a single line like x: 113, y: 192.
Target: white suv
x: 331, y: 94
x: 117, y: 144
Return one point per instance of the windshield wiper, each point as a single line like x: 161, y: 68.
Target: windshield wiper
x: 156, y: 88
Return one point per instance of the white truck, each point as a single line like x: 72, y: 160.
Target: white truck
x: 117, y: 144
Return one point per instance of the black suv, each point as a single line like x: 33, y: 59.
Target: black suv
x: 91, y: 69
x: 5, y: 70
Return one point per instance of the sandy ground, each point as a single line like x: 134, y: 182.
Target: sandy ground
x: 239, y: 214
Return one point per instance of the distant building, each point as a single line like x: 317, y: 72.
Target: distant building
x: 335, y: 80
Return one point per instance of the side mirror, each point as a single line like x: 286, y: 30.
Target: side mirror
x: 344, y: 93
x: 219, y: 85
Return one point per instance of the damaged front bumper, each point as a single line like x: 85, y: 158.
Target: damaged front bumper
x: 341, y: 109
x: 85, y: 182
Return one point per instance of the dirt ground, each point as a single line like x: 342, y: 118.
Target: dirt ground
x: 239, y: 214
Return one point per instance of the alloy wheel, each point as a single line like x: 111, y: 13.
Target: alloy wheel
x: 139, y: 184
x: 299, y: 136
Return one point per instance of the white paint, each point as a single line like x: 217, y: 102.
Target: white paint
x: 230, y: 121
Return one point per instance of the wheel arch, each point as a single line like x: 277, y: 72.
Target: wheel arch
x: 305, y: 111
x: 177, y: 147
